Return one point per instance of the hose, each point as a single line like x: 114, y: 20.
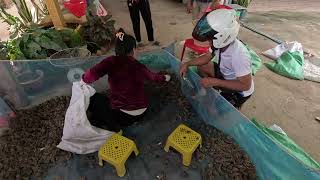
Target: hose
x: 260, y: 33
x: 278, y: 41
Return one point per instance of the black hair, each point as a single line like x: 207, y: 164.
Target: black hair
x: 125, y: 43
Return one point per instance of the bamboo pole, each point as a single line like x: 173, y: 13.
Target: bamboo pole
x: 55, y: 13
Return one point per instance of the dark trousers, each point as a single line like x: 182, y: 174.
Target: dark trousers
x: 101, y: 115
x: 234, y: 98
x: 143, y: 7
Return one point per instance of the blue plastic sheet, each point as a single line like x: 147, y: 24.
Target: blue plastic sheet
x: 270, y: 160
x: 53, y: 80
x: 4, y: 108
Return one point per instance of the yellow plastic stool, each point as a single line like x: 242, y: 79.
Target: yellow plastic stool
x: 116, y: 151
x: 184, y: 140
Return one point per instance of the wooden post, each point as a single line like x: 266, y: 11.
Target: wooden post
x: 55, y: 14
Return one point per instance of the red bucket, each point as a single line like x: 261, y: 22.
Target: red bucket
x: 76, y: 7
x: 209, y: 8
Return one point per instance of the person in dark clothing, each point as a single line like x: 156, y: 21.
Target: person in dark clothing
x: 135, y: 8
x: 127, y: 101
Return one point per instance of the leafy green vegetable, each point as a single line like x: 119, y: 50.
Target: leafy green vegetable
x: 32, y: 50
x: 76, y: 40
x: 48, y: 43
x: 72, y: 37
x: 57, y: 37
x: 25, y: 38
x: 99, y: 30
x: 38, y: 43
x: 14, y: 51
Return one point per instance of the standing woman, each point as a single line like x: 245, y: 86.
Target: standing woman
x: 135, y: 8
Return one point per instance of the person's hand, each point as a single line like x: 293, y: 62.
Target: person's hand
x: 189, y: 8
x: 183, y: 69
x: 208, y: 82
x: 82, y: 82
x: 168, y: 77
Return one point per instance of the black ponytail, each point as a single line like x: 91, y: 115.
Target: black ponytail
x: 125, y: 43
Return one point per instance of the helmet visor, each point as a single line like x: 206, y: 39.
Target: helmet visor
x: 203, y: 31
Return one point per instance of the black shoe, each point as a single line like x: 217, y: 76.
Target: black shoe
x: 140, y: 45
x: 154, y: 43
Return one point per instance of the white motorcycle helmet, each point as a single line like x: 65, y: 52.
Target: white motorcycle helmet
x: 220, y: 26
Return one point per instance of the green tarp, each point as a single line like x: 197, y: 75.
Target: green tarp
x: 256, y: 62
x: 289, y: 145
x: 289, y: 64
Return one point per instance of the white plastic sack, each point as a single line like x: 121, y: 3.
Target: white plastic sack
x: 277, y: 51
x: 277, y: 129
x: 311, y: 71
x: 78, y: 134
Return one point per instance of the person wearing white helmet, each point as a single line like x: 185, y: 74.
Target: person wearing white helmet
x: 232, y: 73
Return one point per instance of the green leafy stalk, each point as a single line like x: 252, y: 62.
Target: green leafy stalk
x: 23, y: 11
x: 14, y: 51
x: 25, y: 19
x: 43, y: 9
x: 16, y: 25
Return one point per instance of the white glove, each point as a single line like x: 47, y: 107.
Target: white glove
x: 168, y: 77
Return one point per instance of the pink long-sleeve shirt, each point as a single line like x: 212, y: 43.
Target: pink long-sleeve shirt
x: 126, y: 78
